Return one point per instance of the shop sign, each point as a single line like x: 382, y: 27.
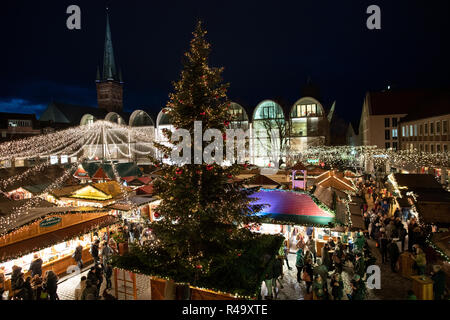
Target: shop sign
x: 50, y: 222
x: 313, y: 161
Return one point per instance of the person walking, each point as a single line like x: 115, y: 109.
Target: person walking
x: 383, y: 244
x: 326, y: 260
x: 337, y: 287
x: 36, y: 266
x: 394, y: 254
x: 51, y: 285
x: 108, y: 275
x: 94, y: 251
x: 286, y: 252
x: 299, y: 263
x: 77, y: 256
x: 360, y: 265
x: 438, y: 277
x: 107, y: 253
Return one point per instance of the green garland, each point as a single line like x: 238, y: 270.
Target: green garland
x: 430, y: 243
x: 49, y: 214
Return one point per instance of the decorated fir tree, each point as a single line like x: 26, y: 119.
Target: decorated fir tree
x: 201, y: 236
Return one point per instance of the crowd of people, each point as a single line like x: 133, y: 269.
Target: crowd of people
x: 323, y: 276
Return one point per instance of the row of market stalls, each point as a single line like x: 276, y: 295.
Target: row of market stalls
x: 51, y: 223
x: 307, y: 200
x: 420, y: 196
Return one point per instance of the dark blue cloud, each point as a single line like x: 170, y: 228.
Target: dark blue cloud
x: 18, y: 105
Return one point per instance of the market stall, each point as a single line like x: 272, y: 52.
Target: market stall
x: 294, y: 213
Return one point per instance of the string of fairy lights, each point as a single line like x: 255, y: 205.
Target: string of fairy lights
x: 39, y: 167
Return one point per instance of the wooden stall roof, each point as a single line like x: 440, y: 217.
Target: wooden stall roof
x: 45, y: 176
x: 335, y: 180
x: 66, y: 191
x: 49, y: 239
x: 136, y: 200
x: 41, y: 210
x: 262, y: 180
x: 434, y: 213
x: 417, y: 181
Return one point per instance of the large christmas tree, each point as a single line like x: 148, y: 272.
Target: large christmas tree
x: 201, y: 237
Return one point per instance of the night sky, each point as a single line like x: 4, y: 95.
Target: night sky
x: 268, y: 49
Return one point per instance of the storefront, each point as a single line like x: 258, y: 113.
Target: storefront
x: 137, y: 209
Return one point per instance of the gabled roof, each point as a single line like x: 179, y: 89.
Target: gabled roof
x: 66, y: 191
x: 335, y: 180
x: 111, y: 188
x: 100, y: 174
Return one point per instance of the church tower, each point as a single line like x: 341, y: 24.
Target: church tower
x: 109, y: 81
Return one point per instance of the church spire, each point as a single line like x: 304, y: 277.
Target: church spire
x: 109, y: 64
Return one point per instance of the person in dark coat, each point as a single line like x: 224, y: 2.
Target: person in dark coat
x: 92, y: 276
x: 90, y: 292
x: 394, y: 254
x: 99, y: 274
x: 107, y: 296
x: 95, y: 251
x: 358, y: 288
x: 326, y: 260
x: 108, y: 274
x: 337, y: 287
x: 383, y: 243
x: 51, y: 285
x: 360, y: 266
x: 27, y: 290
x: 36, y: 266
x: 17, y: 283
x: 77, y: 256
x: 36, y: 285
x: 438, y: 277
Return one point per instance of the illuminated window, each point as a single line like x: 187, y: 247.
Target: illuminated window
x: 411, y: 133
x: 415, y: 130
x: 394, y: 133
